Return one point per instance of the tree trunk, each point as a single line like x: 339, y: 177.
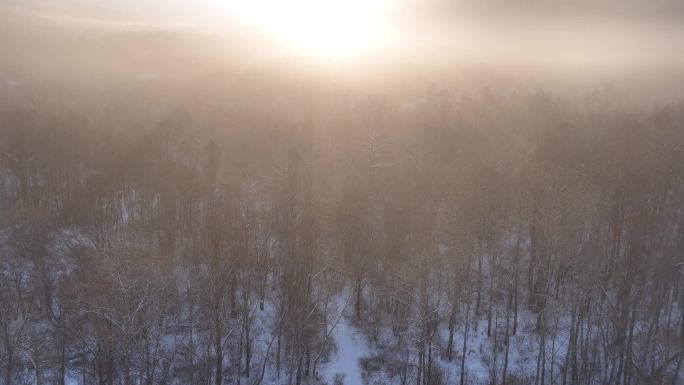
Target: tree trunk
x: 465, y: 343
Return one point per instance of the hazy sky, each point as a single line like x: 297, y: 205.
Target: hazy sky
x: 620, y: 29
x: 602, y: 37
x: 197, y: 11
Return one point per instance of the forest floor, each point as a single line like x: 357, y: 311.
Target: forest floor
x: 345, y: 361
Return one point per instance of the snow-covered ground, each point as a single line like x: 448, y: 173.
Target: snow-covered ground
x: 351, y: 346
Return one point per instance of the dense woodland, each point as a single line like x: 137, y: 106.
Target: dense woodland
x: 224, y: 245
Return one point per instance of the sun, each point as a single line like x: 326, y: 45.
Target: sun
x: 325, y: 28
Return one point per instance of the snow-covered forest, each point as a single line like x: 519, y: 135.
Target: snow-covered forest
x: 176, y: 212
x: 486, y: 239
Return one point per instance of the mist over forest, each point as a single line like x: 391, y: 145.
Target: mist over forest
x: 382, y: 192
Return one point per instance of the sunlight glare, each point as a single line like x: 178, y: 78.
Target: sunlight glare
x: 326, y: 28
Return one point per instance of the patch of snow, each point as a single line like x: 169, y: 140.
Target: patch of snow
x: 72, y: 380
x: 350, y: 348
